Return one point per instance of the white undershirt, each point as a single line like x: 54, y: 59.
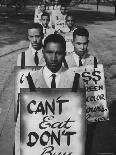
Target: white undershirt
x: 47, y: 74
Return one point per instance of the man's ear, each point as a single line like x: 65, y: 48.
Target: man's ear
x: 28, y: 37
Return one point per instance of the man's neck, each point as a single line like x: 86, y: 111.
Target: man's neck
x: 81, y: 56
x: 38, y: 48
x: 59, y: 70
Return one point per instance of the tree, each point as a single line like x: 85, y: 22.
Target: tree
x: 98, y: 2
x: 113, y: 2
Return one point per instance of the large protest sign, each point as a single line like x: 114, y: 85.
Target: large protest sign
x: 96, y: 104
x: 52, y: 122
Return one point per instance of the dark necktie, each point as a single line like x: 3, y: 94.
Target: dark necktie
x: 53, y: 83
x: 36, y: 59
x: 80, y: 62
x: 45, y: 31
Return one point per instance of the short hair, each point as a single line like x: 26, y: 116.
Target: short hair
x: 63, y: 5
x: 69, y: 15
x: 55, y: 38
x: 46, y: 14
x: 81, y: 31
x: 35, y: 25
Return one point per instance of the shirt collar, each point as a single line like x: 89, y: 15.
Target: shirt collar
x: 32, y: 49
x: 84, y: 56
x: 48, y: 73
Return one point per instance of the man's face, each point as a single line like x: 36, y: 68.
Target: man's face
x: 35, y: 36
x: 63, y: 10
x: 80, y: 44
x: 56, y: 2
x: 45, y: 21
x: 54, y: 55
x: 70, y: 21
x: 42, y: 7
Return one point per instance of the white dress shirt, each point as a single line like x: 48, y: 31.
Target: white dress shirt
x: 76, y: 58
x: 47, y: 31
x: 29, y: 56
x: 48, y: 76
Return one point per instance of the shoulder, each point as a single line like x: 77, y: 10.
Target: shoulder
x: 74, y: 77
x: 69, y: 56
x: 70, y: 73
x: 19, y: 58
x: 89, y: 56
x: 36, y: 75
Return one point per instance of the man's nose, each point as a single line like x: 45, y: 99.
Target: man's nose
x: 34, y: 39
x: 82, y: 46
x: 54, y: 57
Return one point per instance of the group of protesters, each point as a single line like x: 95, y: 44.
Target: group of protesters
x: 57, y: 46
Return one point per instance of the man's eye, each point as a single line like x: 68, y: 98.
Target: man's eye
x: 78, y: 43
x: 49, y: 52
x: 59, y: 53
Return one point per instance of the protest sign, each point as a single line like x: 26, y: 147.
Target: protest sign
x: 21, y: 77
x: 96, y: 104
x: 21, y: 81
x: 52, y: 122
x: 59, y: 24
x: 69, y: 39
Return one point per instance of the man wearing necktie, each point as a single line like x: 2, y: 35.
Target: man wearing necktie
x: 80, y: 56
x: 33, y: 56
x: 45, y: 21
x: 54, y: 74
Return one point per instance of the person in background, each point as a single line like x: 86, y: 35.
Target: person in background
x: 33, y: 56
x: 80, y: 55
x: 67, y: 32
x: 45, y: 20
x: 69, y: 24
x: 58, y: 15
x: 39, y: 10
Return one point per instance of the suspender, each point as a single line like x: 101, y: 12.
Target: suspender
x: 30, y: 82
x: 76, y: 82
x: 23, y: 60
x: 95, y: 62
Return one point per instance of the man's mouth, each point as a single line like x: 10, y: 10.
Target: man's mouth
x: 35, y: 44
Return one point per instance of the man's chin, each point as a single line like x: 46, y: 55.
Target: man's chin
x: 35, y: 46
x: 54, y: 68
x: 81, y: 54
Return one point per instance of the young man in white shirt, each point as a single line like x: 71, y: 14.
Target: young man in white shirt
x: 55, y: 73
x: 45, y: 20
x: 67, y: 32
x: 69, y: 24
x: 57, y: 16
x: 80, y: 56
x: 33, y: 56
